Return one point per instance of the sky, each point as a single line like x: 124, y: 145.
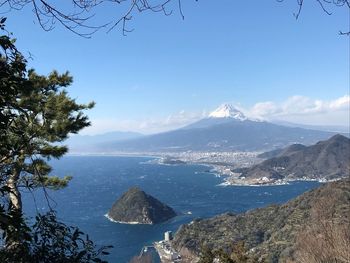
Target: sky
x: 170, y: 72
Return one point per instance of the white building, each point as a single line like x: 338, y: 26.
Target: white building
x: 168, y: 235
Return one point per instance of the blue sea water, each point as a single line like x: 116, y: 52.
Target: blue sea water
x: 99, y: 180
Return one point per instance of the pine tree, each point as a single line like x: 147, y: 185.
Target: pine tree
x: 36, y: 115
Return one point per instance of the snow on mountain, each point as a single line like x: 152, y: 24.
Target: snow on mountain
x: 228, y: 111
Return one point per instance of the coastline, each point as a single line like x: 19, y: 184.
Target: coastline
x: 122, y: 222
x: 221, y: 168
x: 278, y: 182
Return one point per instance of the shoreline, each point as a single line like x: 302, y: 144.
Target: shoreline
x: 221, y: 169
x: 122, y: 222
x: 280, y: 182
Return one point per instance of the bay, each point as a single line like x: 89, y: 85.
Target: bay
x: 99, y: 180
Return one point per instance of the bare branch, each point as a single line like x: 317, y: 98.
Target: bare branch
x: 325, y: 6
x: 48, y: 14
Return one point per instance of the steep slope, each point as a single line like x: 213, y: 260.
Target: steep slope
x: 281, y: 152
x: 328, y: 160
x: 269, y: 233
x: 135, y: 206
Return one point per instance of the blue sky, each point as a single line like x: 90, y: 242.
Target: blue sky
x: 170, y: 71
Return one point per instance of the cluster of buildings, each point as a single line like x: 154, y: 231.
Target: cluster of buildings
x: 165, y: 250
x: 242, y: 159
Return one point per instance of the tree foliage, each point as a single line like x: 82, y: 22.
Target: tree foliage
x: 206, y: 255
x: 327, y: 237
x: 36, y: 113
x: 49, y: 240
x: 238, y: 254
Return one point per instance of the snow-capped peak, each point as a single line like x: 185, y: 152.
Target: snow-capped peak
x: 228, y: 111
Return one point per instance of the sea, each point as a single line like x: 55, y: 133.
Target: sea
x: 98, y: 181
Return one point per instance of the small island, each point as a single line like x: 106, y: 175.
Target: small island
x: 137, y: 207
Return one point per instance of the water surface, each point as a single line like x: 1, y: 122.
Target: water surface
x: 99, y: 180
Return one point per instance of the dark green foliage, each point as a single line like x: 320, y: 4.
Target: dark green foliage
x: 35, y: 113
x: 206, y: 255
x: 49, y: 240
x: 53, y: 182
x: 236, y: 254
x: 14, y: 227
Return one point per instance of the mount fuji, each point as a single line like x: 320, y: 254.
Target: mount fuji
x: 228, y: 111
x: 225, y: 113
x: 225, y: 129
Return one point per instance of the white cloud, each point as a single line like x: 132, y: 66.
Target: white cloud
x: 305, y: 110
x: 261, y: 109
x: 341, y: 103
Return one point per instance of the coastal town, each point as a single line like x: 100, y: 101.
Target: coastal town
x: 219, y: 163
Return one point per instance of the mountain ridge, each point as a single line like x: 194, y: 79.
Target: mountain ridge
x: 325, y: 160
x: 224, y: 134
x: 224, y: 129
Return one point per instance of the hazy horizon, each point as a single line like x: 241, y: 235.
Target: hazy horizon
x: 334, y: 113
x: 170, y: 72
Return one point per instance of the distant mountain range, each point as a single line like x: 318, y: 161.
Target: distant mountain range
x: 326, y: 160
x: 92, y: 143
x: 225, y: 129
x: 329, y: 128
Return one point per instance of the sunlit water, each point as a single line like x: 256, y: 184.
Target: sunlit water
x: 192, y: 192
